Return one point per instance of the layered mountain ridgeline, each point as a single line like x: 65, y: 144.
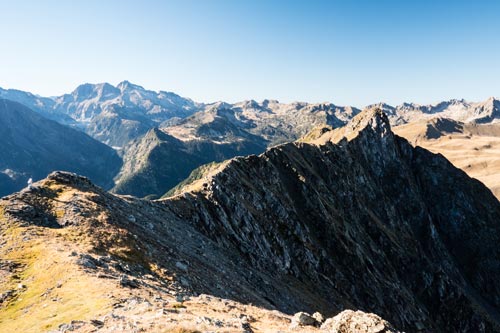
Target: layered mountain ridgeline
x: 157, y: 162
x: 269, y: 123
x: 113, y: 115
x: 459, y: 110
x: 116, y: 115
x: 161, y: 159
x: 354, y: 219
x: 470, y: 146
x: 33, y: 146
x: 270, y: 120
x: 368, y: 220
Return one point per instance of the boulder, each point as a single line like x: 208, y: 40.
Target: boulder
x: 319, y: 317
x: 349, y: 321
x: 303, y: 319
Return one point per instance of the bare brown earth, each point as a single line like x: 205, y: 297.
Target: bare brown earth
x: 474, y: 148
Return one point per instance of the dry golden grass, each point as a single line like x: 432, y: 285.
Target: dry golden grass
x: 54, y: 290
x: 477, y: 155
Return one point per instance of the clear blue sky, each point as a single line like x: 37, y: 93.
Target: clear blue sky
x: 346, y: 52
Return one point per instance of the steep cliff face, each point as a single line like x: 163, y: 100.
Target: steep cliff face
x: 472, y: 147
x: 356, y: 218
x: 365, y: 218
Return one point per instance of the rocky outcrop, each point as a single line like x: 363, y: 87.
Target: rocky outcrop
x: 349, y: 321
x: 303, y: 319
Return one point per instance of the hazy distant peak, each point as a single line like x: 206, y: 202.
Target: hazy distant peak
x: 219, y: 106
x: 389, y: 109
x: 91, y: 91
x: 267, y: 102
x: 127, y: 85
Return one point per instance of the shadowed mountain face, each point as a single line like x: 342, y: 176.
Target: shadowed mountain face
x: 33, y: 146
x: 157, y: 162
x: 472, y: 147
x: 357, y: 218
x: 375, y: 223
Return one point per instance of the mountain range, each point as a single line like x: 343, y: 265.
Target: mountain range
x: 113, y: 115
x: 353, y: 218
x: 134, y: 109
x: 33, y: 146
x: 163, y: 137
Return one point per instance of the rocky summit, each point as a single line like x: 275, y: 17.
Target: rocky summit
x: 347, y: 230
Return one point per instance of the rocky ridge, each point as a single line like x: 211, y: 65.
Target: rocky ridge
x: 361, y: 201
x: 220, y: 132
x: 90, y: 261
x: 354, y: 219
x: 158, y: 161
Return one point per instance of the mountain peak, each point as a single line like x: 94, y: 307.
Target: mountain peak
x: 218, y: 106
x: 90, y: 91
x: 370, y: 120
x: 127, y: 85
x: 374, y: 118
